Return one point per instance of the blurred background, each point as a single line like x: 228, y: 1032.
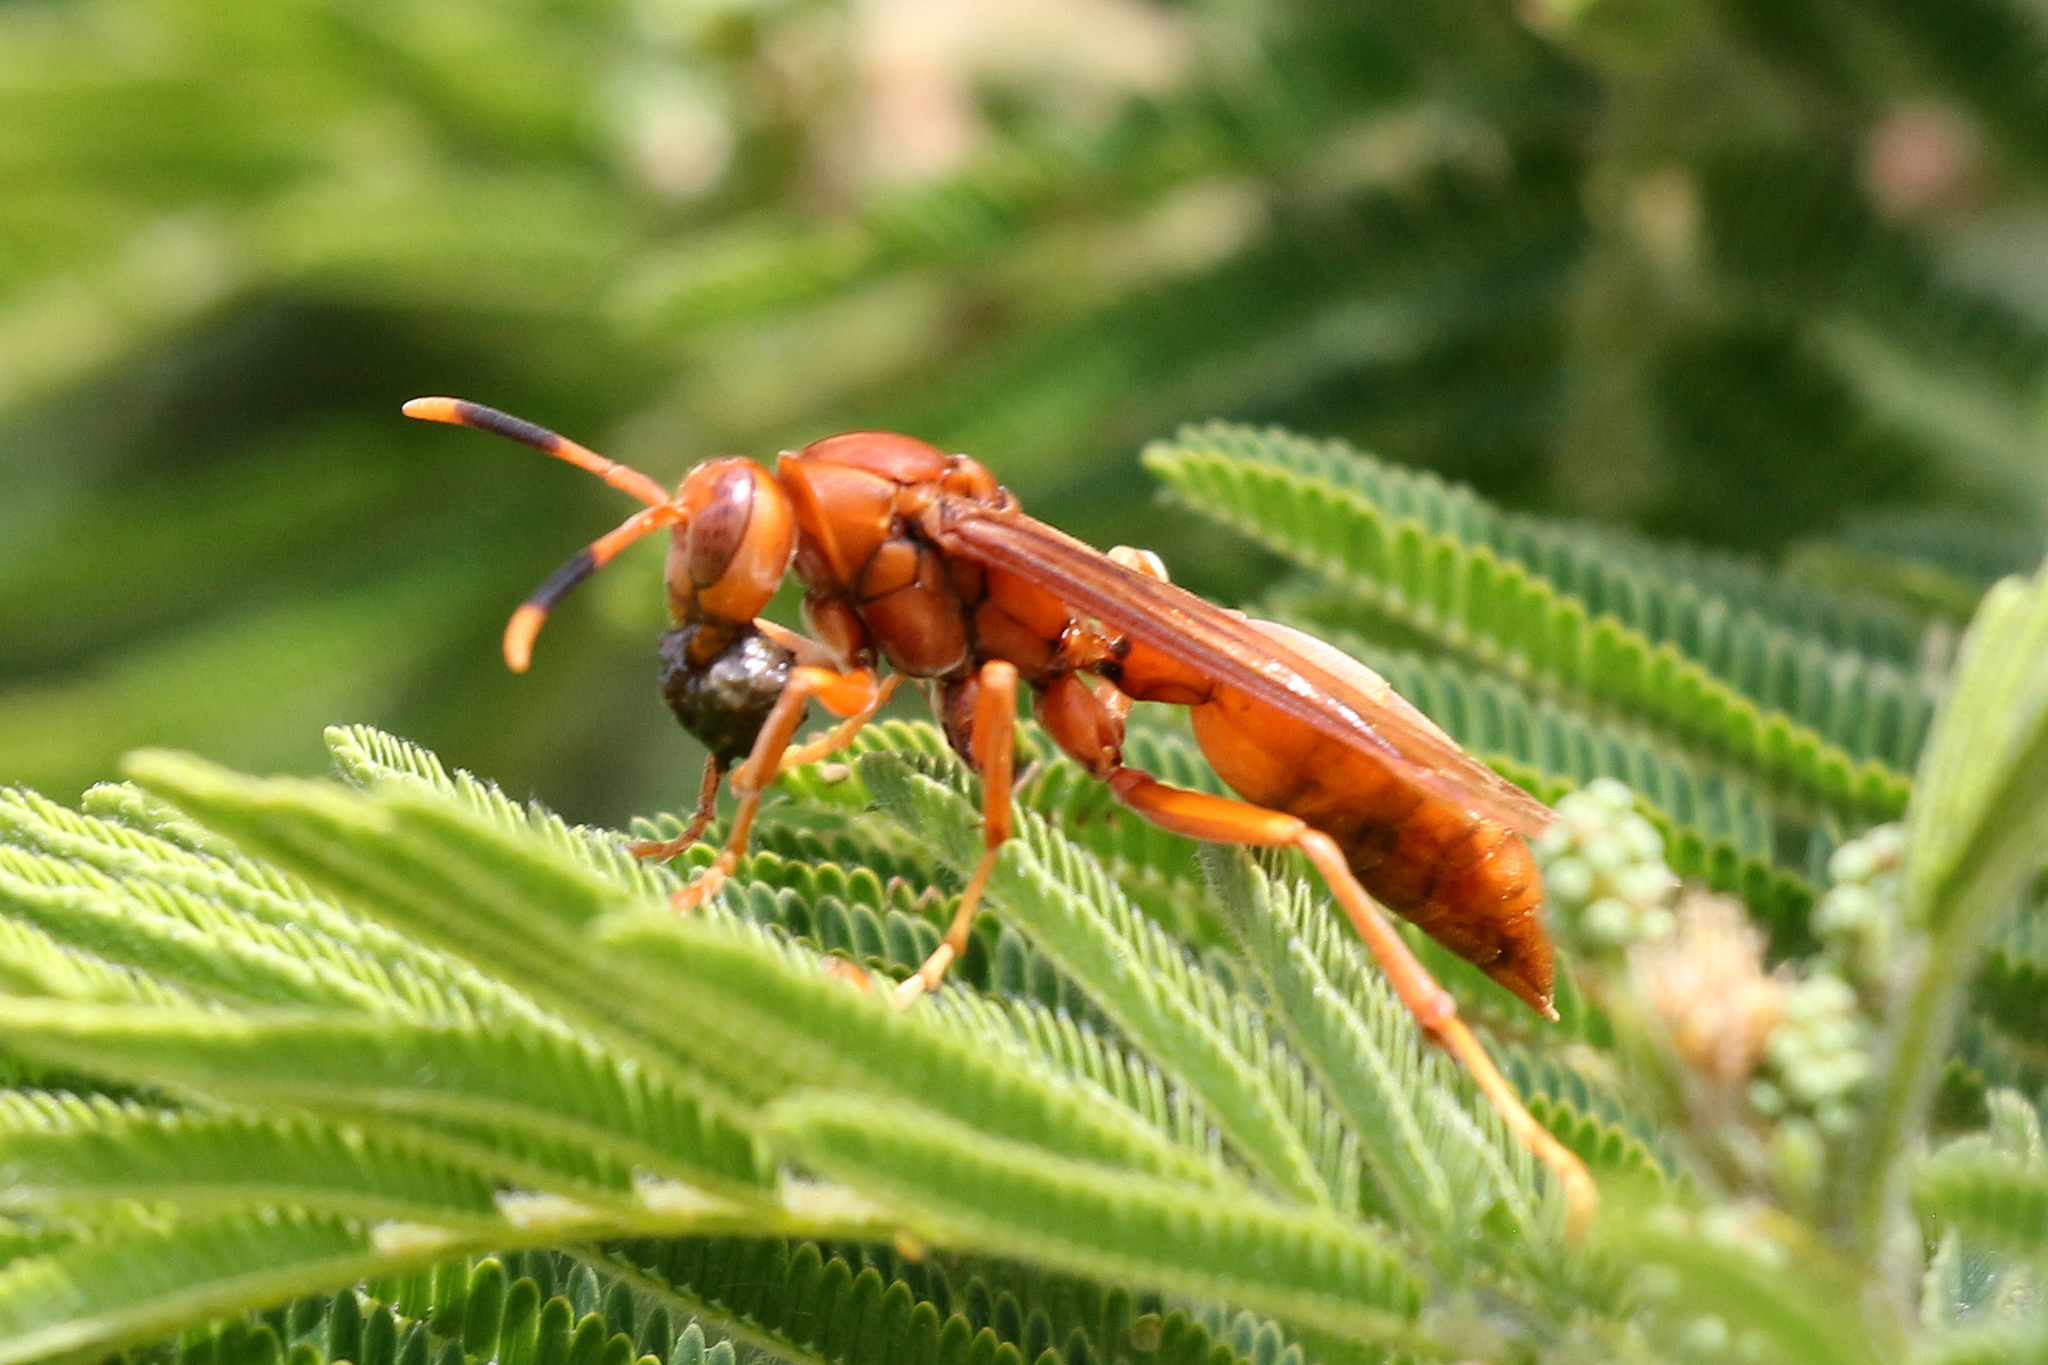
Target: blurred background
x: 1770, y: 276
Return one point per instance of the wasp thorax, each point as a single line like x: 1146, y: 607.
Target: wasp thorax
x: 728, y: 558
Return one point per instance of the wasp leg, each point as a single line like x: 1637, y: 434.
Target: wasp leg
x: 661, y: 850
x: 843, y: 733
x: 994, y: 746
x: 1219, y: 820
x: 809, y: 653
x: 850, y: 974
x: 843, y: 694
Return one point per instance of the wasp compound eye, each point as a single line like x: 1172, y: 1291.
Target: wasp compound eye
x: 722, y: 683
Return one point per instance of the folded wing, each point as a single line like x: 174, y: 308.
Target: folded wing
x: 1303, y: 677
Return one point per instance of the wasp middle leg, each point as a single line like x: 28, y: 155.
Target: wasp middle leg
x: 993, y: 748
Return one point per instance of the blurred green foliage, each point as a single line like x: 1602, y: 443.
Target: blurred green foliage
x: 1766, y: 274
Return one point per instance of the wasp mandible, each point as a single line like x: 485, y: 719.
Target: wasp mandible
x: 920, y: 559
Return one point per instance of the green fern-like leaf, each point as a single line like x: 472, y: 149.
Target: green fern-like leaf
x: 1990, y: 1196
x: 36, y: 963
x: 1436, y: 1164
x: 98, y: 871
x: 367, y: 756
x: 764, y: 1020
x: 57, y: 1150
x: 169, y: 934
x: 146, y: 1281
x: 529, y: 1096
x: 487, y: 891
x: 1597, y: 1124
x: 957, y: 1186
x: 1157, y: 869
x: 1224, y: 1128
x: 1076, y: 913
x: 1985, y: 782
x: 782, y: 1017
x: 802, y: 1301
x: 1075, y: 1048
x: 2011, y: 985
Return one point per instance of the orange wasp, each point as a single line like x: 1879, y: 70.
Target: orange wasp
x: 919, y: 558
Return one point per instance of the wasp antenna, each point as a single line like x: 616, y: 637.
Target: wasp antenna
x: 533, y: 612
x: 460, y: 412
x: 519, y: 635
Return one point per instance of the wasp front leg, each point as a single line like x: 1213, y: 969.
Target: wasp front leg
x: 847, y: 694
x: 805, y: 653
x: 842, y: 734
x: 661, y: 850
x: 811, y: 653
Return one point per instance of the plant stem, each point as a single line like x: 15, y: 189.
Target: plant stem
x: 1874, y: 1187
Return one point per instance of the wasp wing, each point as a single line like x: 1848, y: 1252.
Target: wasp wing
x: 1345, y: 701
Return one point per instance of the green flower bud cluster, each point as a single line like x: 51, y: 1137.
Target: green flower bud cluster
x: 1858, y: 921
x: 1818, y: 1056
x: 1817, y: 1059
x: 1604, y: 871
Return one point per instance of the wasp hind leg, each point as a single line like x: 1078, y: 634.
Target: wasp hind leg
x: 1221, y: 820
